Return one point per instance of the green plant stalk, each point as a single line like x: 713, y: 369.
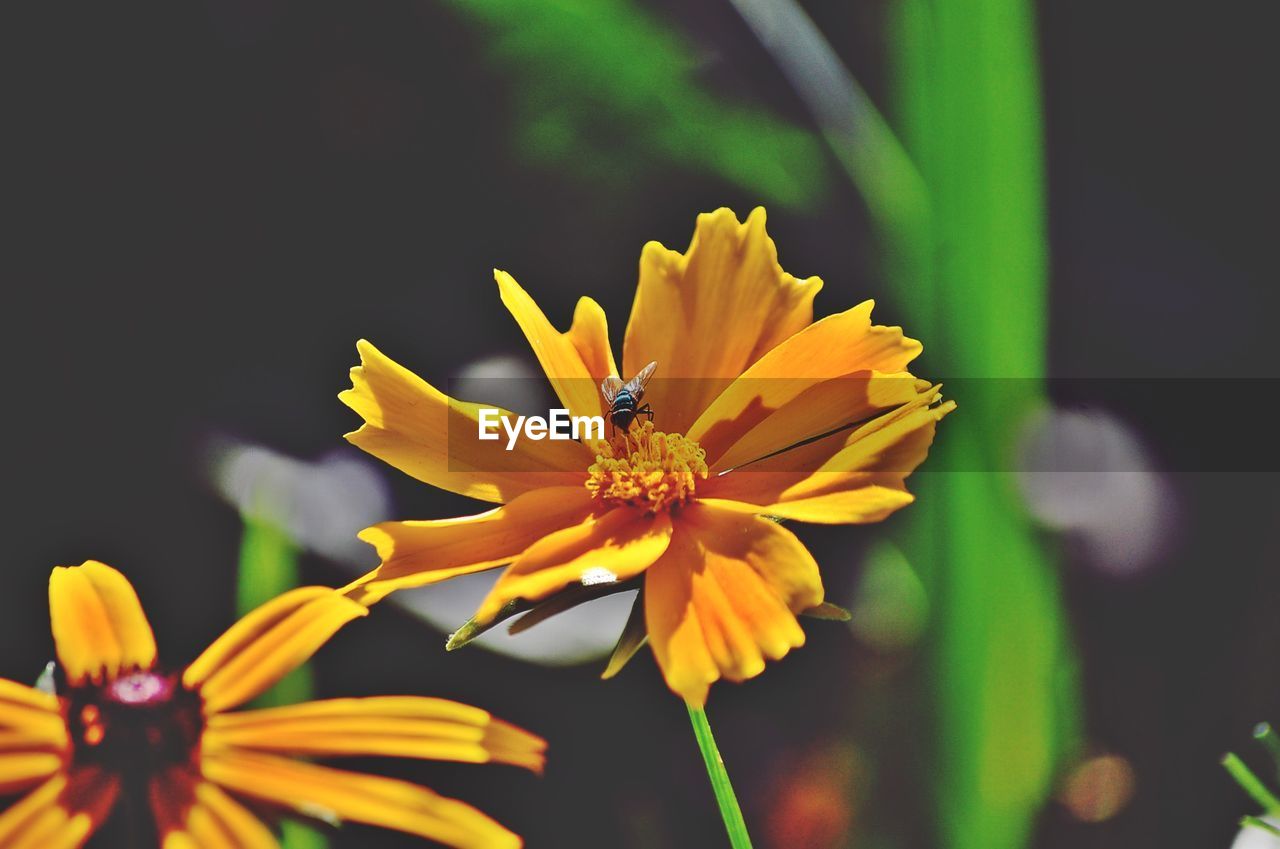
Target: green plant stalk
x: 730, y: 811
x: 974, y: 287
x: 1251, y: 784
x: 1270, y: 740
x: 1254, y: 822
x: 268, y: 567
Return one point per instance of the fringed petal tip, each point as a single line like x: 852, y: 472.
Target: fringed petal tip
x: 707, y: 314
x: 99, y: 627
x: 724, y: 597
x: 575, y: 361
x: 418, y: 553
x: 411, y: 425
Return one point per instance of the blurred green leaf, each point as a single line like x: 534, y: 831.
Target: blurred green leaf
x: 609, y: 89
x: 268, y: 567
x: 975, y: 286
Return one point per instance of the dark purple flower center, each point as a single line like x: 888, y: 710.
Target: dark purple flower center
x: 138, y: 724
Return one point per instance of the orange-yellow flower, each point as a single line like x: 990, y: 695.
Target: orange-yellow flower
x: 761, y: 414
x: 125, y: 732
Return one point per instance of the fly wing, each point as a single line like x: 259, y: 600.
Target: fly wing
x: 609, y: 389
x: 637, y: 384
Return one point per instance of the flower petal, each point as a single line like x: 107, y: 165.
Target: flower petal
x: 576, y: 361
x: 615, y: 546
x: 23, y: 769
x: 267, y: 644
x: 390, y: 726
x: 234, y: 820
x: 98, y: 624
x: 434, y: 438
x: 30, y: 719
x: 313, y: 790
x: 838, y: 370
x: 418, y: 553
x: 706, y: 315
x: 724, y: 596
x: 191, y: 812
x: 60, y: 814
x: 850, y: 477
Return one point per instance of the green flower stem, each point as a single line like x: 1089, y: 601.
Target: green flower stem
x: 1270, y: 740
x: 730, y: 811
x: 1254, y: 822
x: 1252, y: 785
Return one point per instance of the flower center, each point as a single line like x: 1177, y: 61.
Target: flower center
x: 643, y: 467
x: 139, y: 722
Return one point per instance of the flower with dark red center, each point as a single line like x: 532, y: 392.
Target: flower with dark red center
x: 124, y: 731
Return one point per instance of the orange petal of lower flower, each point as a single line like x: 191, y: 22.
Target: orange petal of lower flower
x: 60, y: 814
x: 723, y: 598
x: 244, y: 829
x: 434, y: 438
x: 98, y: 624
x: 30, y: 718
x: 20, y: 770
x: 418, y: 553
x: 615, y: 546
x: 192, y: 813
x: 844, y: 350
x: 19, y: 817
x: 267, y: 644
x: 391, y: 726
x: 313, y: 790
x: 706, y: 315
x: 576, y: 361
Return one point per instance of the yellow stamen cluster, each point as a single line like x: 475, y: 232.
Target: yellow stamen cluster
x: 647, y: 468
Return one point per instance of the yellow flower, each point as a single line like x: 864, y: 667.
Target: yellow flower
x: 122, y: 729
x: 764, y: 413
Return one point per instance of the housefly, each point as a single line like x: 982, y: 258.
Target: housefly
x: 624, y: 398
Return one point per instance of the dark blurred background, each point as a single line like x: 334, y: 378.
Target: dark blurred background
x: 208, y: 203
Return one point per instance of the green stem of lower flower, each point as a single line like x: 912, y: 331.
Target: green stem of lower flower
x: 730, y: 811
x: 1252, y: 785
x: 1270, y: 740
x: 268, y: 568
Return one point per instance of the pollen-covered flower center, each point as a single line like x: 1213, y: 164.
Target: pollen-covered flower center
x: 140, y: 722
x: 647, y: 468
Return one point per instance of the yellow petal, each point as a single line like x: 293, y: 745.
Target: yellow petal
x: 418, y: 553
x: 576, y: 361
x: 233, y: 819
x: 191, y: 812
x: 62, y: 813
x: 434, y: 438
x: 18, y: 819
x: 20, y: 770
x: 390, y: 726
x: 31, y: 717
x: 850, y: 477
x: 722, y: 599
x: 313, y: 790
x: 602, y: 549
x: 838, y: 370
x: 98, y: 624
x: 268, y: 644
x: 706, y: 315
